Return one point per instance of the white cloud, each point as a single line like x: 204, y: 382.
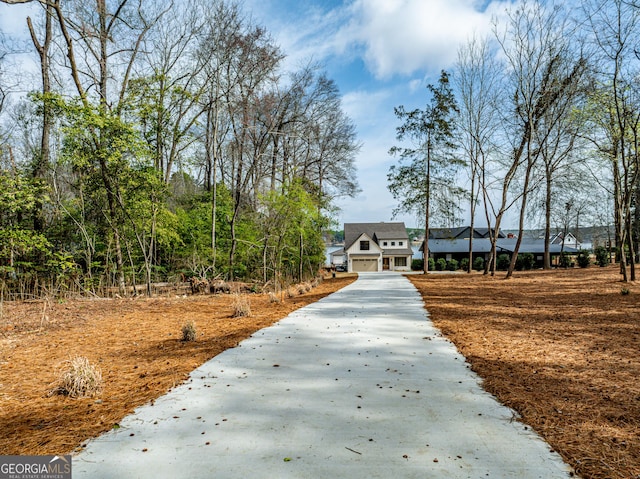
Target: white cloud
x: 405, y: 36
x: 305, y: 30
x: 13, y: 19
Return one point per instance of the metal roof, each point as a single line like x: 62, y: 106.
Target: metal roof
x: 503, y: 245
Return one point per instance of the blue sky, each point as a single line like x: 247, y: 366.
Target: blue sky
x: 381, y: 53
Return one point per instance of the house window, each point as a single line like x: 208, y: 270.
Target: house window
x: 384, y: 243
x: 364, y: 246
x: 400, y: 243
x: 393, y: 243
x: 400, y: 261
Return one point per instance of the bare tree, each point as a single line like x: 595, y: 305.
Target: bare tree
x: 615, y: 110
x: 477, y: 81
x: 544, y: 71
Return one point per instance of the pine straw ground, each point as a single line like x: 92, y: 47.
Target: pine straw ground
x: 562, y: 348
x: 137, y: 343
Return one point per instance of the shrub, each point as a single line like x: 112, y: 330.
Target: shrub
x: 189, y: 332
x: 478, y: 263
x: 417, y: 265
x: 241, y: 306
x: 432, y: 264
x: 441, y: 264
x: 624, y: 291
x: 502, y: 263
x: 584, y: 258
x: 602, y: 256
x: 452, y: 265
x: 525, y: 261
x: 566, y: 260
x: 464, y: 264
x: 80, y: 379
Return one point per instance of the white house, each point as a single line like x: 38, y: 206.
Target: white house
x: 377, y: 247
x: 570, y: 240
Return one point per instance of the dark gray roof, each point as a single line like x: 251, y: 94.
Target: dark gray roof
x: 483, y: 245
x: 461, y: 232
x: 533, y: 246
x: 375, y: 231
x: 442, y: 246
x: 398, y: 252
x: 445, y: 233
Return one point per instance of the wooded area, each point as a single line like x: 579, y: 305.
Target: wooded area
x: 543, y: 115
x: 166, y: 141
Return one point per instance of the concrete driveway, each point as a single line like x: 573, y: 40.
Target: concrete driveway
x: 357, y: 385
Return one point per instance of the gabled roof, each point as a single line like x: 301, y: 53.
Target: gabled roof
x: 374, y: 248
x: 376, y: 231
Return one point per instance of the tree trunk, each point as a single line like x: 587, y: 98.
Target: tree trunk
x: 43, y: 159
x: 472, y: 225
x: 427, y: 205
x: 547, y: 225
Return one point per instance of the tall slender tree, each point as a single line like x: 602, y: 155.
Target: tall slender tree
x: 432, y: 164
x: 477, y: 83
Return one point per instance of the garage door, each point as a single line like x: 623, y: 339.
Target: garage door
x: 363, y: 265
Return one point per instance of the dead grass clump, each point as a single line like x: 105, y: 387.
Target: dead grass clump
x: 274, y: 298
x: 80, y: 379
x: 219, y: 286
x: 241, y: 306
x: 189, y: 332
x: 292, y: 292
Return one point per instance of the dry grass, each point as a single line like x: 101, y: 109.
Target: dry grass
x: 79, y: 379
x: 274, y: 298
x: 559, y: 347
x: 241, y: 306
x: 136, y: 368
x: 189, y: 332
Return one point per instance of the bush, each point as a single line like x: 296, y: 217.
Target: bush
x: 584, y: 258
x: 602, y: 256
x: 464, y: 264
x: 525, y: 261
x: 417, y: 265
x: 80, y: 379
x: 432, y: 264
x: 478, y: 263
x: 566, y: 260
x: 441, y: 264
x: 453, y: 265
x: 189, y: 332
x: 502, y: 262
